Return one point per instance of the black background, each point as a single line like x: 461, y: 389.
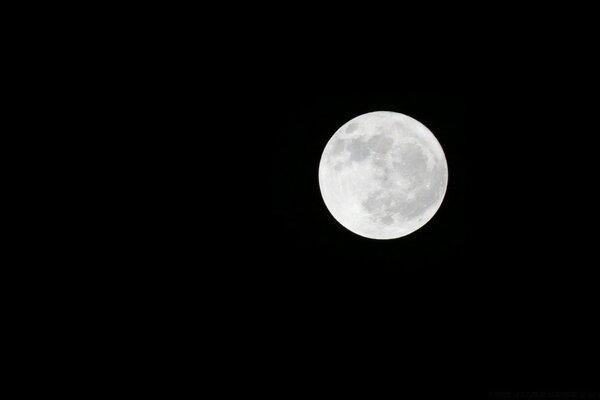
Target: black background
x: 323, y: 298
x: 188, y: 196
x: 489, y: 291
x: 496, y: 292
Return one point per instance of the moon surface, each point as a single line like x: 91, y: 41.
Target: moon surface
x: 383, y: 175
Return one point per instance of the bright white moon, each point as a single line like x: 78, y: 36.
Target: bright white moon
x: 383, y: 175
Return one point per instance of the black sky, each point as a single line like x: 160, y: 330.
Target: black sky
x: 496, y: 289
x: 484, y: 281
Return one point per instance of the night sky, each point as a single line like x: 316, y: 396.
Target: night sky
x: 482, y: 282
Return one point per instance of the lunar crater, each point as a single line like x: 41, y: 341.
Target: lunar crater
x: 351, y: 127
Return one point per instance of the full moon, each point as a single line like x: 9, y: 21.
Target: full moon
x: 383, y: 175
